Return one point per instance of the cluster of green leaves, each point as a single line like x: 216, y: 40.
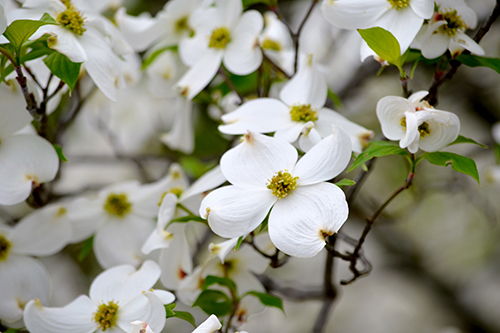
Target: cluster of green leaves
x: 458, y: 162
x: 21, y: 50
x: 219, y: 303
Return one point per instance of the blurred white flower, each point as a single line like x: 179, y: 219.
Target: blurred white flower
x: 140, y: 327
x: 210, y: 325
x: 416, y: 124
x: 265, y: 174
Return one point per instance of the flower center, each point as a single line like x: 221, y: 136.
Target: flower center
x: 303, y: 113
x: 4, y: 248
x: 220, y: 37
x: 71, y: 18
x: 282, y: 184
x: 424, y: 130
x: 403, y: 123
x: 106, y: 315
x: 183, y: 25
x: 269, y: 44
x: 117, y: 204
x: 398, y: 4
x: 454, y: 22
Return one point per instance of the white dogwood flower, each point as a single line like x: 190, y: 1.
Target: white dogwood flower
x: 446, y: 30
x: 222, y: 34
x: 118, y: 296
x: 300, y: 112
x: 416, y: 124
x: 265, y: 174
x: 403, y: 18
x: 210, y: 325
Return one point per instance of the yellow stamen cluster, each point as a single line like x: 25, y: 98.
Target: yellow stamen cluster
x: 282, y: 184
x: 177, y: 191
x: 454, y: 22
x: 403, y: 123
x: 399, y: 4
x: 71, y: 18
x: 424, y: 130
x: 269, y: 44
x: 182, y: 25
x: 4, y: 248
x: 303, y: 113
x: 219, y: 39
x: 117, y: 204
x: 106, y: 315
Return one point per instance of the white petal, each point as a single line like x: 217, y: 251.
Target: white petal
x: 157, y: 314
x: 417, y: 96
x: 423, y: 8
x: 200, y: 75
x: 157, y: 240
x: 230, y: 11
x: 181, y: 136
x: 210, y: 325
x: 160, y: 238
x: 299, y: 223
x: 261, y: 115
x: 404, y: 24
x: 175, y: 261
x: 208, y: 181
x: 444, y: 128
x: 23, y: 279
x: 435, y: 45
x: 76, y: 317
x: 233, y: 211
x: 461, y: 40
x: 85, y: 217
x: 390, y: 112
x: 138, y: 308
x: 290, y: 133
x: 25, y: 159
x: 41, y: 233
x: 411, y: 133
x: 140, y: 31
x: 3, y: 20
x: 11, y: 120
x: 310, y: 136
x: 140, y: 327
x: 256, y: 160
x: 308, y: 86
x: 243, y: 55
x: 166, y: 297
x: 354, y: 14
x: 325, y: 160
x: 222, y: 249
x: 67, y: 43
x: 120, y: 241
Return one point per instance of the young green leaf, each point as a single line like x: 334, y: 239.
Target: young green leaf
x: 63, y: 68
x: 267, y: 299
x: 86, y: 248
x: 60, y: 153
x: 384, y: 44
x: 189, y: 218
x: 214, y: 302
x: 225, y: 282
x: 169, y: 309
x: 379, y: 149
x: 345, y: 182
x: 459, y: 163
x: 247, y: 3
x: 478, y: 61
x: 238, y: 244
x: 463, y: 139
x: 19, y: 31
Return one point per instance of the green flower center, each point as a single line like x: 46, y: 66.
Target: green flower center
x: 4, y: 248
x: 71, y: 18
x: 269, y: 44
x: 424, y: 130
x: 454, y: 22
x: 106, y: 315
x: 117, y: 204
x: 303, y: 113
x: 282, y: 184
x: 219, y: 39
x: 398, y: 4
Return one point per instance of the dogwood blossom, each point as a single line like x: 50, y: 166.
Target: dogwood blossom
x: 416, y: 124
x: 210, y: 325
x: 446, y: 30
x: 403, y: 18
x: 265, y: 174
x: 117, y: 297
x: 222, y: 34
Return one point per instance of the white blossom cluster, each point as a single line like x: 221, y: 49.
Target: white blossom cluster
x: 142, y: 83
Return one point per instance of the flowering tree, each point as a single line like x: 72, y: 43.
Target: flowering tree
x: 188, y: 168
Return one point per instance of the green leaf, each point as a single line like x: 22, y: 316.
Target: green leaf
x: 225, y: 282
x: 214, y: 302
x: 151, y: 57
x: 14, y: 330
x: 169, y: 309
x: 189, y: 218
x: 335, y: 99
x: 478, y: 61
x: 247, y: 3
x: 459, y: 163
x: 60, y: 153
x: 463, y: 139
x: 63, y: 68
x: 383, y: 43
x: 267, y: 299
x: 86, y: 248
x: 195, y: 167
x: 379, y: 149
x: 497, y: 153
x: 19, y: 31
x: 238, y: 244
x: 345, y: 182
